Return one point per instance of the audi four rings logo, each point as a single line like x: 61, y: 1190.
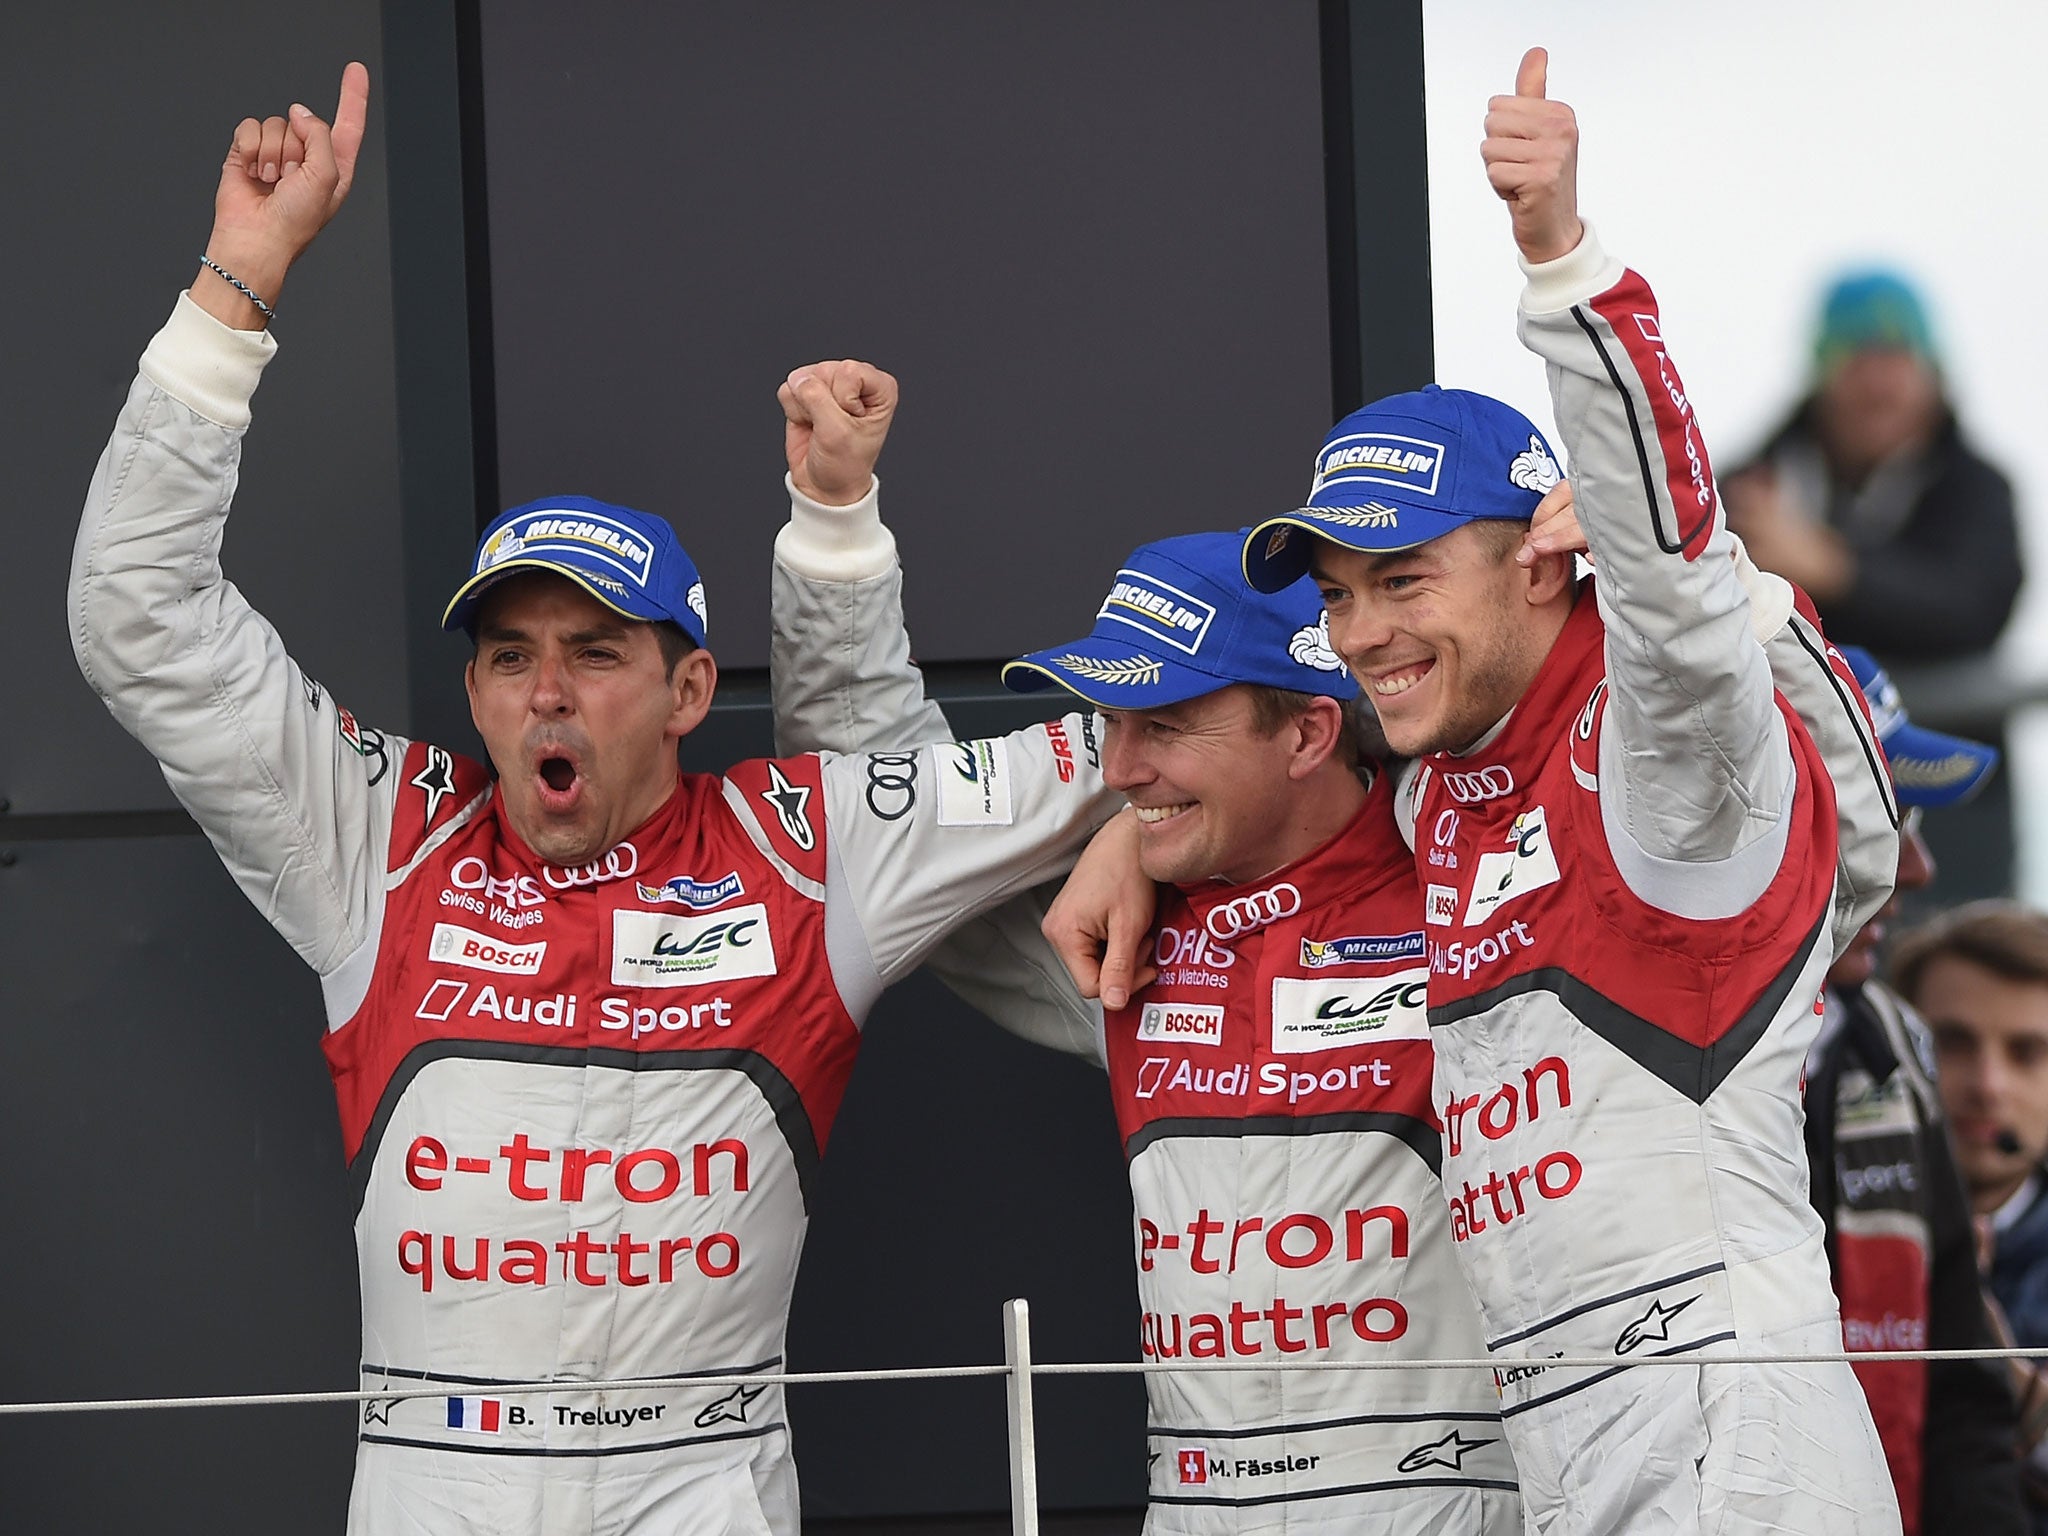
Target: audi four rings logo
x: 1246, y: 914
x: 892, y: 784
x: 1479, y: 784
x: 622, y: 861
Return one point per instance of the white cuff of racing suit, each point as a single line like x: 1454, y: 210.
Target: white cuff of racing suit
x: 1577, y: 275
x: 1770, y: 595
x: 821, y: 543
x: 211, y: 367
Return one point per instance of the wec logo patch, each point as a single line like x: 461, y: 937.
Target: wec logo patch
x: 1327, y: 1015
x: 663, y: 949
x: 1528, y: 865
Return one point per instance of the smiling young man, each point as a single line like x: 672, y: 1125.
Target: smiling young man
x: 589, y: 1019
x: 1628, y: 846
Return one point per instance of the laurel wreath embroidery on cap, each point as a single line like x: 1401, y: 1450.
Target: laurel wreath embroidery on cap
x: 1372, y: 515
x: 1138, y: 670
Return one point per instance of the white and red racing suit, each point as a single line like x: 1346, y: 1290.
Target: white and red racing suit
x: 1272, y: 1090
x: 582, y: 1108
x: 1631, y: 897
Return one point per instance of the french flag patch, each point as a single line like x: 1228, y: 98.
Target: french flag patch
x: 479, y: 1414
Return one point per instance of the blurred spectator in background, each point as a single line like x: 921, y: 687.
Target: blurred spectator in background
x: 1884, y: 1179
x: 1980, y: 976
x: 1869, y: 498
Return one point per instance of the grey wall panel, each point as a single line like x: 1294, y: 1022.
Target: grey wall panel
x: 1089, y: 238
x: 175, y: 1183
x: 119, y: 115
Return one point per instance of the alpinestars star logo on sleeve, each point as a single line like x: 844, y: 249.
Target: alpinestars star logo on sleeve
x: 436, y: 781
x: 790, y: 801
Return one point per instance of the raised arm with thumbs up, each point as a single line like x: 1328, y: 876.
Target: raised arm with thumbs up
x: 1531, y: 152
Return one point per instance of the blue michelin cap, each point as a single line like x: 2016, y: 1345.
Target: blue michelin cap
x: 1928, y: 767
x: 627, y: 560
x: 1179, y: 622
x: 1405, y: 470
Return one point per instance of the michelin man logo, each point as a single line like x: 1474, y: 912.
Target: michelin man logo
x: 1311, y: 646
x: 1534, y: 469
x: 500, y: 549
x: 696, y: 602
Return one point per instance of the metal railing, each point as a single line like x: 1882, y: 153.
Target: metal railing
x: 1018, y: 1372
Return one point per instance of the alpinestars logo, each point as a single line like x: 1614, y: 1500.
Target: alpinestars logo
x: 1450, y: 1452
x: 790, y: 801
x: 731, y: 1408
x: 1653, y: 1327
x: 436, y: 781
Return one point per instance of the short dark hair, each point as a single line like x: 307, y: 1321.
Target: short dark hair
x: 675, y: 644
x: 2004, y: 937
x: 1359, y: 741
x: 1502, y: 536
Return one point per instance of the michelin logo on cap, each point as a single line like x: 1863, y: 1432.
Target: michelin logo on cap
x: 1310, y: 646
x: 1534, y: 469
x: 1383, y: 458
x: 586, y: 532
x: 1158, y: 610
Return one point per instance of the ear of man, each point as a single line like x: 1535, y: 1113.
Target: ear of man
x: 692, y: 681
x: 1323, y: 734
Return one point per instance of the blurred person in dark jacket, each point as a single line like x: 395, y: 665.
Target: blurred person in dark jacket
x: 1870, y: 499
x: 1980, y: 975
x: 1886, y: 1183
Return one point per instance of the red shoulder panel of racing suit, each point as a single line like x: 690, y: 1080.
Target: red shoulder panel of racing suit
x: 1519, y: 881
x: 1272, y: 1088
